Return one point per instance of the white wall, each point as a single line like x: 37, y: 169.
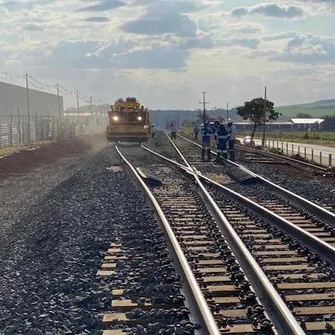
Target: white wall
x: 13, y: 97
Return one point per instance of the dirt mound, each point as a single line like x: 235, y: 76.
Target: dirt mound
x: 27, y: 160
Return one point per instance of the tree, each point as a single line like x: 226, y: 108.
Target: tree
x: 304, y: 116
x: 254, y: 111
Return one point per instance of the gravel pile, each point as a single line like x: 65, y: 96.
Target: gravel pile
x: 52, y: 248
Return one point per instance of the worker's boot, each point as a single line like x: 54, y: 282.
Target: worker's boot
x: 218, y: 157
x: 203, y: 154
x: 224, y: 155
x: 209, y: 154
x: 232, y: 156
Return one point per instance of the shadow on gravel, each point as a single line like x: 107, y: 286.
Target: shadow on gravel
x: 28, y: 160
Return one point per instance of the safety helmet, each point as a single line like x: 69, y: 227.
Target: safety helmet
x: 229, y: 121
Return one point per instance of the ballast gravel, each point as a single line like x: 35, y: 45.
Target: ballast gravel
x: 55, y: 229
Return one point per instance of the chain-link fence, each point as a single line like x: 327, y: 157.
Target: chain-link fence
x: 20, y: 131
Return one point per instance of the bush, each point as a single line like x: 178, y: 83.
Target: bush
x: 277, y: 151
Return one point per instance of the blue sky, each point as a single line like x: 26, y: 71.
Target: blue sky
x: 166, y: 52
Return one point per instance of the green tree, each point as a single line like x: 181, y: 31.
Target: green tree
x: 304, y: 116
x: 254, y: 111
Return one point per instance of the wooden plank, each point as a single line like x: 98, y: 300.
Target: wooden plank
x: 115, y: 332
x: 223, y: 290
x: 105, y: 273
x: 211, y: 262
x: 323, y: 310
x: 114, y: 250
x: 108, y: 266
x: 216, y: 279
x: 213, y: 270
x: 198, y: 243
x: 115, y: 258
x: 127, y: 305
x: 300, y: 275
x: 284, y: 260
x: 320, y: 326
x: 118, y: 292
x: 302, y: 286
x: 288, y: 267
x: 309, y: 297
x: 274, y: 253
x: 226, y: 300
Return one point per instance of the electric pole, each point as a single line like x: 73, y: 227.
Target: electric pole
x: 58, y: 98
x: 204, y: 103
x: 264, y: 118
x: 77, y: 94
x: 227, y: 112
x: 28, y: 107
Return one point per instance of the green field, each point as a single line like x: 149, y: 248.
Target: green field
x: 316, y: 109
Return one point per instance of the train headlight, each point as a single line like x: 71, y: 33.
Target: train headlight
x: 139, y: 118
x: 115, y: 118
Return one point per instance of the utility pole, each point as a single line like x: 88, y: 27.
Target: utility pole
x: 204, y: 105
x: 58, y: 98
x: 264, y: 119
x: 28, y: 107
x: 227, y: 112
x: 77, y: 94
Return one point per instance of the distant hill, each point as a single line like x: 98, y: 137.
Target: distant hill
x: 315, y: 109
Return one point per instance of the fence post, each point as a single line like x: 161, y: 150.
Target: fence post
x: 330, y: 161
x: 292, y: 150
x: 305, y: 152
x: 282, y: 146
x: 286, y: 148
x: 320, y: 157
x: 312, y: 152
x: 299, y: 150
x: 10, y: 128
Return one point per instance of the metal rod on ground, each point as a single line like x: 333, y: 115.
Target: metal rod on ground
x: 28, y: 107
x: 264, y: 118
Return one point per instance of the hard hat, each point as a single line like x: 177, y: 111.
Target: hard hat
x: 230, y: 121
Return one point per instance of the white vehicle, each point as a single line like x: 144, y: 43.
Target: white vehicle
x: 248, y: 141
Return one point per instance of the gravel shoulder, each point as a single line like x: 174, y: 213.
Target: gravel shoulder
x: 56, y: 224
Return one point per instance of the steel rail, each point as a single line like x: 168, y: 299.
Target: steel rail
x: 315, y: 209
x: 198, y: 304
x: 282, y: 318
x: 289, y: 160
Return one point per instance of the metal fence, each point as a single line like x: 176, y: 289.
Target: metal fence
x: 17, y: 131
x: 317, y: 155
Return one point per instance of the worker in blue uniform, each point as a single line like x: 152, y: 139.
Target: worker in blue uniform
x: 206, y: 141
x: 222, y: 137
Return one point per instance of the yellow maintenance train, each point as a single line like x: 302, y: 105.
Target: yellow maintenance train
x: 128, y: 122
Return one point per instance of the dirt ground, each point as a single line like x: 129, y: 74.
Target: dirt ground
x: 27, y: 160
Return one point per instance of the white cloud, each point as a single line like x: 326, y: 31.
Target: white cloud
x: 270, y: 10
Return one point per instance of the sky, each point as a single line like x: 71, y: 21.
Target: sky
x: 166, y: 52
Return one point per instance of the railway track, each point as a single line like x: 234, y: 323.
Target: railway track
x: 303, y: 279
